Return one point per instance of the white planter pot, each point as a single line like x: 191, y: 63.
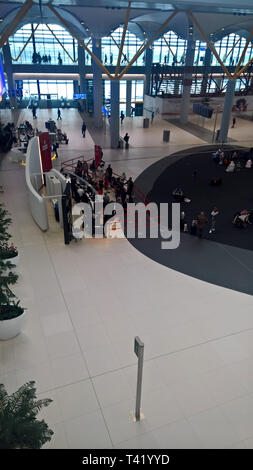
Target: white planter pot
x: 14, y: 261
x: 11, y: 328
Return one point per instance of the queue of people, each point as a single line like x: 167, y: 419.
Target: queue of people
x: 104, y: 182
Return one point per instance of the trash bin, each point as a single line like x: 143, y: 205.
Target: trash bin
x: 166, y: 135
x: 146, y: 123
x: 121, y: 143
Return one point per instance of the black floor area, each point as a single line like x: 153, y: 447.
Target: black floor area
x: 234, y: 194
x: 224, y: 258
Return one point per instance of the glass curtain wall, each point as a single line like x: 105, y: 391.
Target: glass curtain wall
x: 56, y: 88
x: 44, y: 45
x: 230, y: 49
x: 110, y: 50
x: 137, y: 93
x: 173, y: 55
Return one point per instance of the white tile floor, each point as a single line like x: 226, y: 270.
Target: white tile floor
x: 86, y: 302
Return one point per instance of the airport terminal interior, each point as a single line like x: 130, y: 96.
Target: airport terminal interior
x: 129, y: 102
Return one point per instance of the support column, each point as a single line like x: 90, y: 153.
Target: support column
x: 206, y: 63
x: 176, y: 87
x: 187, y: 80
x: 83, y: 81
x: 218, y: 84
x: 114, y: 119
x: 75, y: 87
x: 128, y: 97
x: 148, y: 71
x: 9, y: 73
x: 227, y: 110
x: 97, y: 84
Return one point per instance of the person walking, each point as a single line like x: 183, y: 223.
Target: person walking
x: 34, y: 112
x: 55, y: 150
x: 59, y: 114
x: 152, y: 117
x: 214, y: 214
x: 201, y: 222
x: 83, y: 129
x: 234, y: 121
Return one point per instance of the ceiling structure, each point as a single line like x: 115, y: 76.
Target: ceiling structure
x: 100, y: 17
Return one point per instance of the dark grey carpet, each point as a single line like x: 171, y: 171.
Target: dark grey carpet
x: 224, y: 259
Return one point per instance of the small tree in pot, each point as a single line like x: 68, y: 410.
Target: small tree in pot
x: 7, y: 251
x: 19, y: 427
x: 11, y: 314
x: 8, y: 307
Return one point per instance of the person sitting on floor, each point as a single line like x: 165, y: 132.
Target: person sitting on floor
x: 248, y: 163
x: 241, y: 219
x: 178, y: 194
x: 231, y: 167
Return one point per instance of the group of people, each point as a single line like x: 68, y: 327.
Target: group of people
x: 37, y: 58
x: 104, y: 182
x: 243, y: 218
x: 232, y: 162
x: 198, y: 223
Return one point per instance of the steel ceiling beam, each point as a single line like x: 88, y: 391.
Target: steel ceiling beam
x: 210, y: 45
x: 147, y: 44
x: 244, y: 52
x: 15, y: 22
x: 81, y: 42
x: 123, y: 39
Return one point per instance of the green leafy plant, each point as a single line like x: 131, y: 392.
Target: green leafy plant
x: 5, y: 222
x: 19, y: 427
x: 8, y: 251
x: 9, y: 307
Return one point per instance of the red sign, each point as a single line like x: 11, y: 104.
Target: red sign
x: 98, y: 155
x: 45, y: 151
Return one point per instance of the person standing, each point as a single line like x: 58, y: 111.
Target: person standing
x: 126, y: 139
x: 130, y: 186
x: 234, y: 121
x: 83, y: 129
x: 34, y: 112
x: 59, y: 114
x: 152, y: 117
x: 122, y: 117
x: 108, y: 173
x: 111, y: 59
x: 214, y: 214
x: 201, y: 222
x: 55, y: 150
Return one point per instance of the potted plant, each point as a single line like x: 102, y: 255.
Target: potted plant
x: 8, y: 252
x: 19, y: 427
x: 12, y: 316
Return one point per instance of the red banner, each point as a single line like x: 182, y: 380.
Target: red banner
x: 98, y: 155
x: 45, y: 151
